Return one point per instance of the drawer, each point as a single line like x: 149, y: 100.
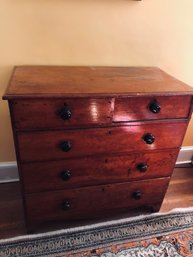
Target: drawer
x: 151, y: 108
x: 55, y: 145
x: 93, y: 201
x: 60, y: 113
x: 72, y: 173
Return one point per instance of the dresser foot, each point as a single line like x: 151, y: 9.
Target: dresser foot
x: 30, y: 230
x: 155, y: 208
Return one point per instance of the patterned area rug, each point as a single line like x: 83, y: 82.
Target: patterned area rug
x: 158, y: 235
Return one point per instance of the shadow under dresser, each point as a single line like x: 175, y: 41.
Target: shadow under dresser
x: 92, y: 141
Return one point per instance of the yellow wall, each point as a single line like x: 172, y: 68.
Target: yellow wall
x: 94, y: 32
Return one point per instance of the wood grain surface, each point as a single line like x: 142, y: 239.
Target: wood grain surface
x: 85, y: 112
x: 89, y: 171
x: 94, y: 201
x: 46, y: 145
x: 138, y: 108
x: 54, y: 81
x: 46, y: 113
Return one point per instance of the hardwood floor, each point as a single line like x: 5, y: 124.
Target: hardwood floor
x: 179, y: 194
x: 180, y: 191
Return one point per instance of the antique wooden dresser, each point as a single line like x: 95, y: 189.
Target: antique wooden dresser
x: 92, y: 141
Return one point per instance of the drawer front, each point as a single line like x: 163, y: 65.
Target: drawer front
x: 72, y: 173
x: 52, y: 145
x: 151, y: 108
x: 90, y: 201
x: 60, y: 113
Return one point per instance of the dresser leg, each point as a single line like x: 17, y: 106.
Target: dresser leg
x: 155, y: 208
x: 30, y: 229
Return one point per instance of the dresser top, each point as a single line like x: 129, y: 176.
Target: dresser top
x: 64, y: 81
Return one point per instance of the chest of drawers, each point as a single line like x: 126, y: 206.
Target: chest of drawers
x: 92, y: 141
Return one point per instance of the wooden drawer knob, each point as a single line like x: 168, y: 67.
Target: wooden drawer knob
x: 65, y: 175
x: 65, y: 145
x: 149, y: 138
x: 65, y: 113
x: 66, y: 205
x: 154, y: 106
x: 137, y: 195
x: 142, y: 167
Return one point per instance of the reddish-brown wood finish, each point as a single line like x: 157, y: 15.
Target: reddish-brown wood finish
x: 56, y: 81
x: 92, y: 141
x: 45, y: 113
x: 179, y: 193
x: 45, y: 146
x: 94, y: 201
x: 88, y: 171
x: 138, y: 108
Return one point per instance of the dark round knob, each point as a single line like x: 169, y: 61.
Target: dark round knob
x: 149, y: 138
x: 137, y: 195
x: 65, y: 113
x: 65, y: 145
x: 154, y: 106
x: 142, y: 167
x: 65, y: 175
x: 66, y: 205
